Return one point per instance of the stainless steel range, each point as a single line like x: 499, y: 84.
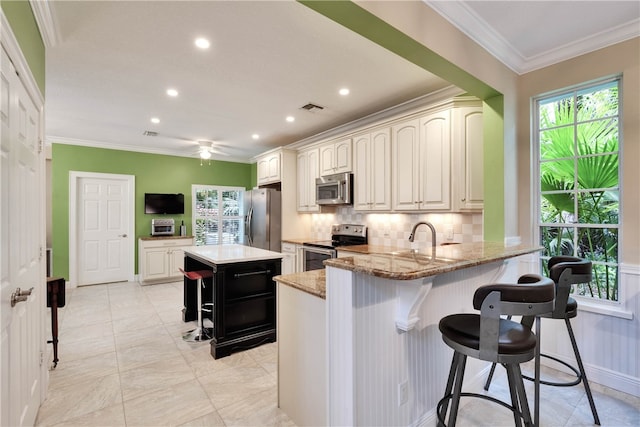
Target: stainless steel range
x: 314, y: 253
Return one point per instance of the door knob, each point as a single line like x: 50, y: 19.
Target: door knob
x: 19, y: 296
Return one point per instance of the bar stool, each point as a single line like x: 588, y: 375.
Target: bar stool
x: 566, y: 271
x: 200, y: 333
x: 489, y: 337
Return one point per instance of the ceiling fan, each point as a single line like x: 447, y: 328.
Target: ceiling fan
x: 207, y: 148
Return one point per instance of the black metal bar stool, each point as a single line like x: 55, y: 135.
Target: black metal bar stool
x: 566, y: 271
x: 200, y: 333
x: 487, y: 336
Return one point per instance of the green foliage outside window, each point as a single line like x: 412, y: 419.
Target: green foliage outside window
x: 579, y: 182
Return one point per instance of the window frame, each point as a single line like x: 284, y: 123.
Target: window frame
x: 220, y: 217
x: 602, y: 306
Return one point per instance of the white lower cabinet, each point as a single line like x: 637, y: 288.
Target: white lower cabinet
x: 289, y: 264
x: 159, y: 259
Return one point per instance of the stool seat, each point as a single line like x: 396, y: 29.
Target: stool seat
x: 570, y: 311
x: 198, y: 274
x: 513, y: 338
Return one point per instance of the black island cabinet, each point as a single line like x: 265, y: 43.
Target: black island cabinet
x: 242, y: 291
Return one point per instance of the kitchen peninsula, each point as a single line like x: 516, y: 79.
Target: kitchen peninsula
x: 384, y: 360
x: 242, y: 291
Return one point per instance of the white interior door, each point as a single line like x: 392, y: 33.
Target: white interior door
x: 104, y: 219
x: 21, y: 256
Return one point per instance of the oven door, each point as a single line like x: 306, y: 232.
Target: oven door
x: 312, y: 257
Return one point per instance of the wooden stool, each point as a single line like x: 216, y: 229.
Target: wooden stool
x: 566, y: 271
x: 200, y: 333
x: 487, y: 336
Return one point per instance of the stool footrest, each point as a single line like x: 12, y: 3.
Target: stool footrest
x: 480, y: 396
x: 577, y: 381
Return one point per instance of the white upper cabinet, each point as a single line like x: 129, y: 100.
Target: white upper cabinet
x: 269, y: 168
x: 335, y: 157
x: 421, y: 163
x: 468, y: 176
x: 308, y: 167
x: 372, y: 171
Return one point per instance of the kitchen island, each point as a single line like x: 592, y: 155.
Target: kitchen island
x: 385, y: 362
x: 242, y: 291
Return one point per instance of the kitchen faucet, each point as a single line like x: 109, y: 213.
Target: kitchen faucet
x: 433, y: 232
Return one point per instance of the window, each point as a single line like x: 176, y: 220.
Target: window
x: 217, y: 214
x: 578, y: 150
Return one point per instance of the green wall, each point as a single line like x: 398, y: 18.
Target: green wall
x: 24, y: 27
x: 154, y: 173
x: 359, y: 20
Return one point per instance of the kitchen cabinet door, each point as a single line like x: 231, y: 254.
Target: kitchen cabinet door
x: 335, y: 157
x: 468, y: 172
x: 268, y: 168
x: 435, y: 161
x: 406, y: 162
x: 308, y: 171
x: 372, y: 171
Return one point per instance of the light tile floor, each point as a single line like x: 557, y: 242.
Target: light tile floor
x: 123, y: 363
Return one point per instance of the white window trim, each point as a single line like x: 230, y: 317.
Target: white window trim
x: 605, y: 307
x: 220, y: 189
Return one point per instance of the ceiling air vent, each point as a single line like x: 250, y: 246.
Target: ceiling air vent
x: 311, y: 106
x: 150, y: 133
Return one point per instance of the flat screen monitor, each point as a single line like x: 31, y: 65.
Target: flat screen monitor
x: 156, y: 203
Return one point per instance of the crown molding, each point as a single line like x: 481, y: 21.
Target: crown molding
x: 47, y: 24
x: 432, y: 98
x: 477, y: 29
x: 585, y: 45
x: 51, y: 139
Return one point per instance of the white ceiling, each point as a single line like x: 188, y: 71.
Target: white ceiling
x: 109, y: 64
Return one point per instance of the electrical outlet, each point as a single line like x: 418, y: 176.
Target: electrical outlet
x: 448, y: 233
x: 403, y: 393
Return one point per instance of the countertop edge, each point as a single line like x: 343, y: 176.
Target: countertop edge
x: 346, y: 263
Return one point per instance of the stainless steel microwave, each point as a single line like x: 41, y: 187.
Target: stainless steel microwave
x: 334, y: 189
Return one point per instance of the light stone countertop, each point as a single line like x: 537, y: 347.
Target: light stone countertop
x: 227, y: 254
x: 312, y: 282
x: 408, y: 264
x: 297, y: 241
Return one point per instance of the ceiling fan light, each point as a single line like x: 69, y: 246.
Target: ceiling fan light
x: 205, y: 154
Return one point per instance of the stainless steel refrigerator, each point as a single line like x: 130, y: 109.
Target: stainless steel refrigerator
x: 263, y: 218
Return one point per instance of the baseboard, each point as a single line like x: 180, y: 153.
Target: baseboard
x: 602, y: 376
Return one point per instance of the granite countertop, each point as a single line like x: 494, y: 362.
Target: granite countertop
x: 312, y: 282
x: 297, y: 241
x: 227, y: 254
x: 408, y: 264
x: 164, y: 237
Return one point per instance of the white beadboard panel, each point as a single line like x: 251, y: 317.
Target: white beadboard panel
x: 609, y: 345
x: 362, y: 332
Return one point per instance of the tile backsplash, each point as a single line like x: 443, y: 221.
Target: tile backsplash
x: 393, y: 229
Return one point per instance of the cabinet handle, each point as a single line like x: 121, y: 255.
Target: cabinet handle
x: 253, y: 273
x: 462, y: 200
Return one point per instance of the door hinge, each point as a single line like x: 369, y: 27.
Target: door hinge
x: 41, y: 357
x: 40, y: 256
x: 40, y: 146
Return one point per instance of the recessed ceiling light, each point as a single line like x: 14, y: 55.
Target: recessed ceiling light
x: 155, y: 120
x: 202, y: 43
x: 255, y: 136
x: 172, y: 92
x: 291, y: 119
x: 344, y: 91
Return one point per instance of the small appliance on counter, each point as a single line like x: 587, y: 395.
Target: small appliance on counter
x: 162, y: 227
x: 314, y: 253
